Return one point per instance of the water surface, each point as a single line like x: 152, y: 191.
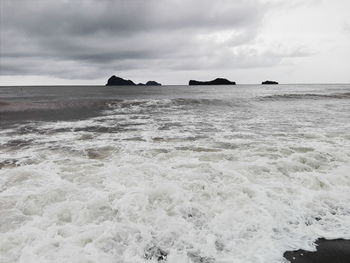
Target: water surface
x: 173, y: 173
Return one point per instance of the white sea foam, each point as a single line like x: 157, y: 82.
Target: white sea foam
x: 176, y: 180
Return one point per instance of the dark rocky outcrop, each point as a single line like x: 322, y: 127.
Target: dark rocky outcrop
x: 328, y: 251
x: 116, y: 81
x: 153, y: 83
x: 218, y: 81
x: 269, y: 82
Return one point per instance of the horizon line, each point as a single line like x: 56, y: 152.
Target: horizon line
x: 104, y: 85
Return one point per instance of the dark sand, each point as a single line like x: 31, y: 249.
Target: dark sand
x: 328, y: 251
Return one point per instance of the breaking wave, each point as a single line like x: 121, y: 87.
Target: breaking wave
x: 307, y: 96
x: 175, y: 180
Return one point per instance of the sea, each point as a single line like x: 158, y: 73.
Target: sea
x: 176, y: 174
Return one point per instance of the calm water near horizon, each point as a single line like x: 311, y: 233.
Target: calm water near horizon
x: 177, y: 173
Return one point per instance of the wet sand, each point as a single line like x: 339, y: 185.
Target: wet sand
x: 328, y: 251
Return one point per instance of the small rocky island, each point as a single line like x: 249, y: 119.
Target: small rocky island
x: 218, y: 81
x: 150, y: 83
x: 153, y: 83
x: 269, y: 82
x: 117, y: 81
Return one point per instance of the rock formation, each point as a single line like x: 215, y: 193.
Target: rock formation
x: 218, y: 81
x: 269, y: 82
x: 153, y: 83
x: 116, y: 81
x: 336, y: 251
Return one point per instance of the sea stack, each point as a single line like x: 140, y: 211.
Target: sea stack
x: 269, y: 82
x: 116, y: 81
x: 218, y: 81
x: 153, y: 83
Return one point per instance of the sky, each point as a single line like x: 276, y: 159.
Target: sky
x: 84, y: 42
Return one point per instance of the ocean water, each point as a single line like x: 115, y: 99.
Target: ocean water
x: 204, y: 174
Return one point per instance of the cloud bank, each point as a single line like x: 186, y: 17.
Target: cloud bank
x: 89, y: 39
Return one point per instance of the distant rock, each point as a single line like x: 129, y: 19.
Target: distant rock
x: 218, y: 81
x: 269, y: 82
x: 153, y: 83
x: 116, y: 81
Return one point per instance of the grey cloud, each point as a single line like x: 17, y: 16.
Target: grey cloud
x: 346, y: 27
x: 121, y: 16
x: 87, y: 38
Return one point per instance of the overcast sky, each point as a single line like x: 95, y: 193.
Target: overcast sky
x: 172, y: 41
